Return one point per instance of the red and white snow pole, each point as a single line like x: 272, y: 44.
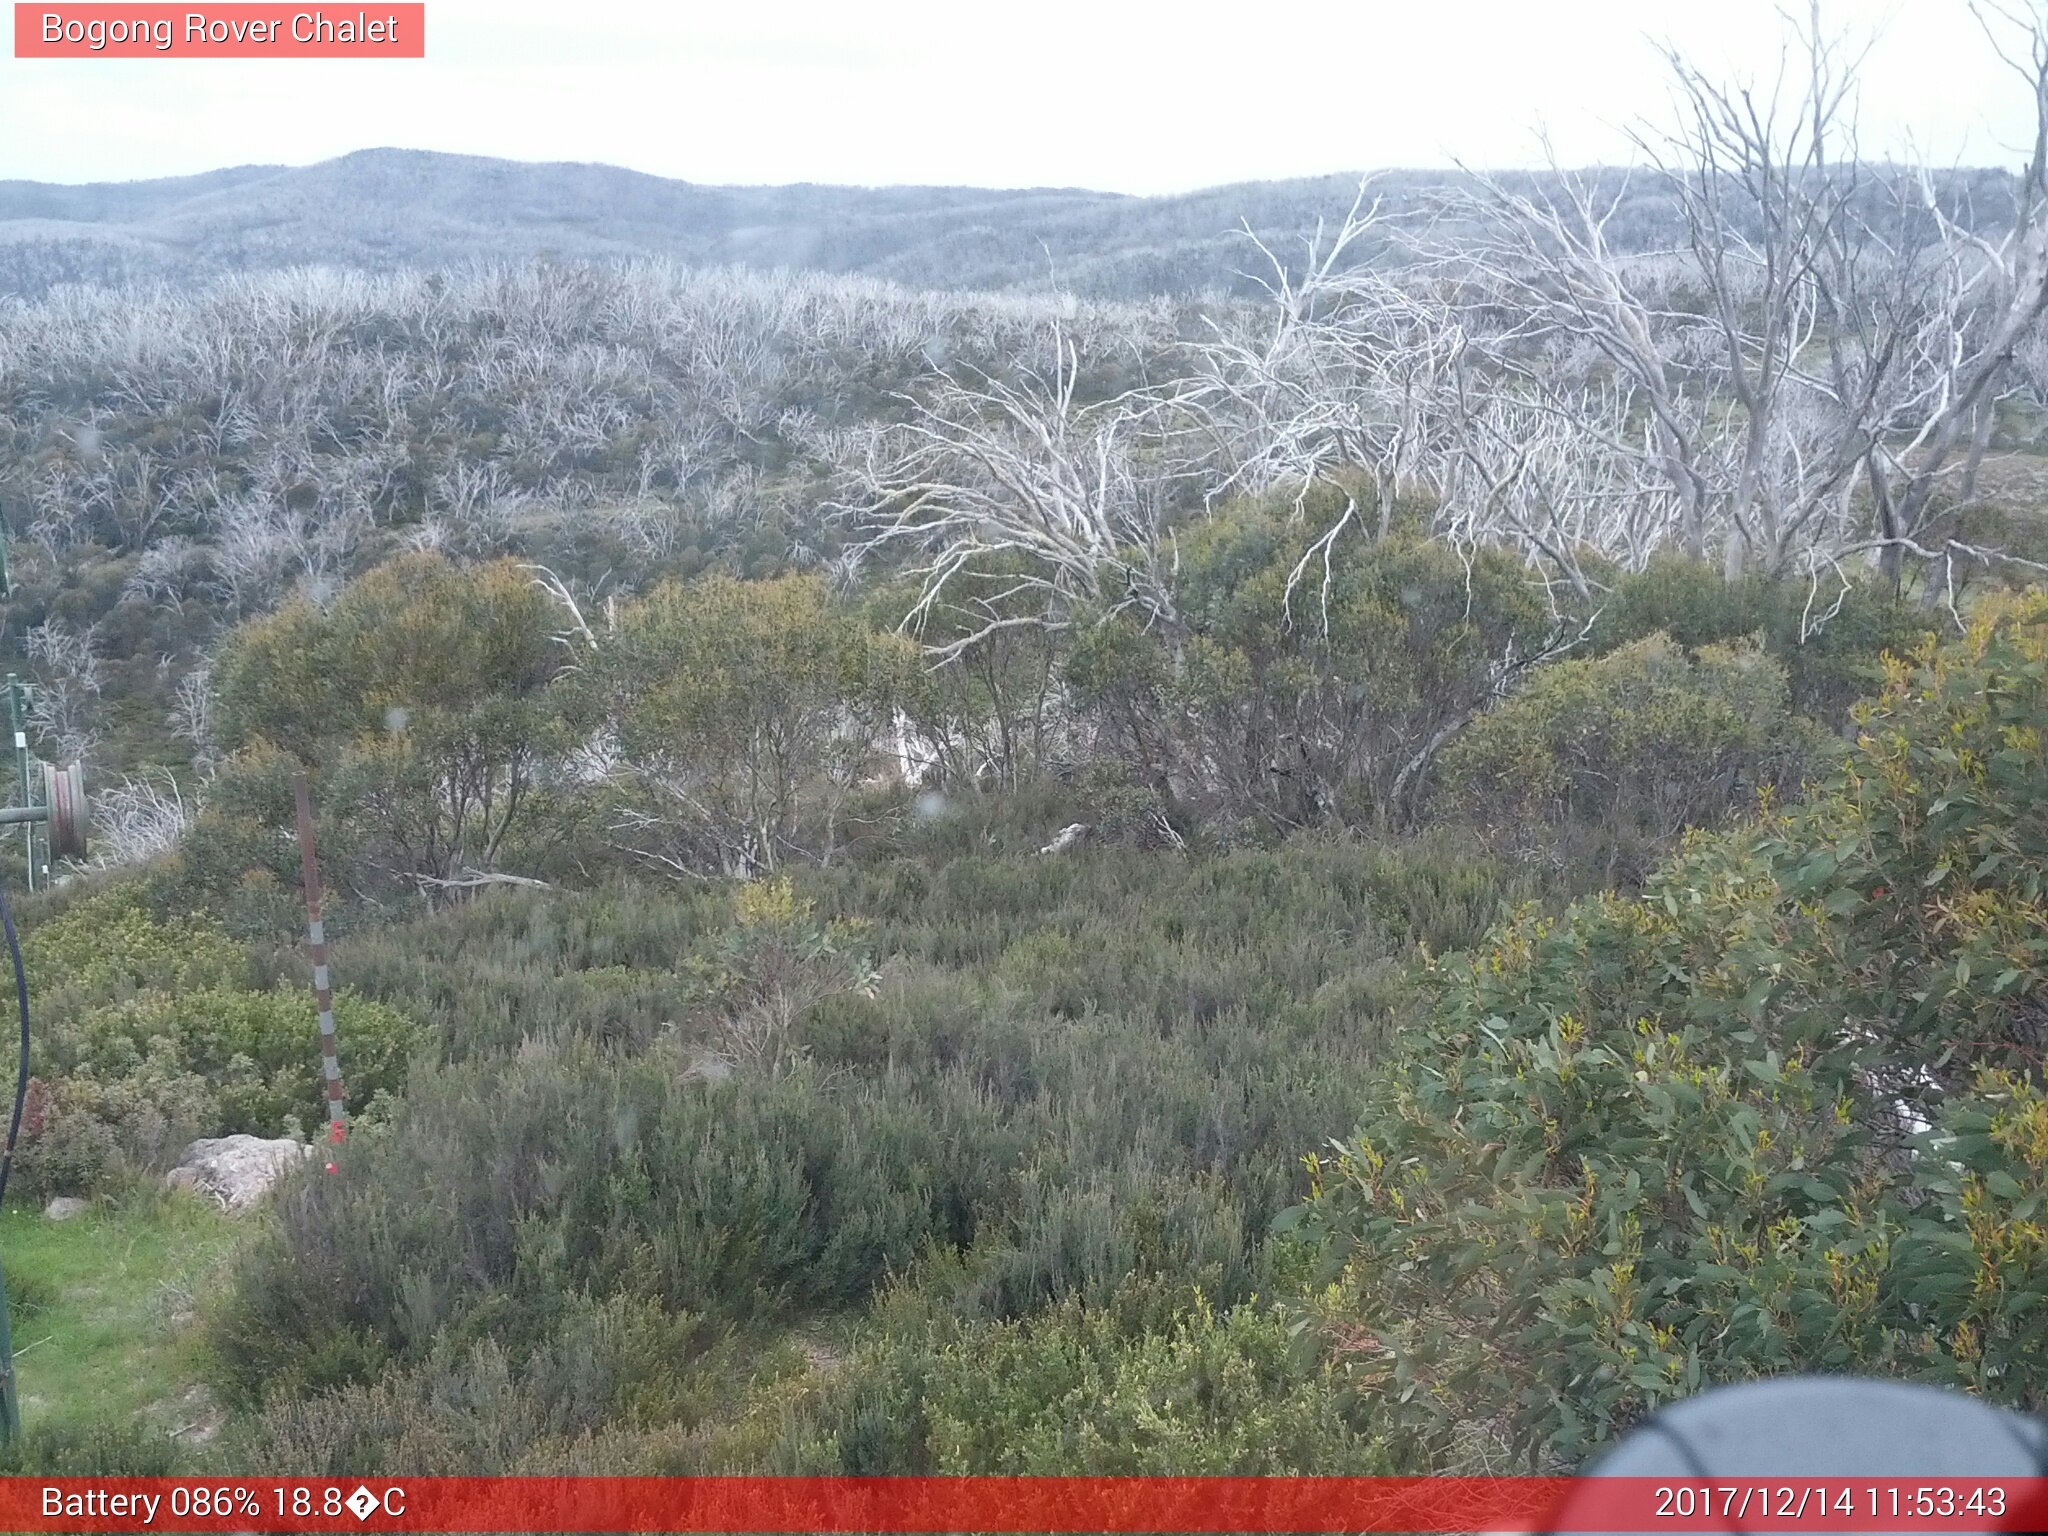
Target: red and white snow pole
x: 316, y: 945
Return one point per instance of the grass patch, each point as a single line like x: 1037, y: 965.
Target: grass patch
x: 103, y: 1324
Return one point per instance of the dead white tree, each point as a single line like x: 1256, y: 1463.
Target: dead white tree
x: 479, y: 504
x: 1832, y: 327
x: 62, y: 703
x: 576, y: 631
x: 1342, y: 377
x: 169, y: 571
x: 137, y: 819
x: 192, y: 714
x: 1768, y: 184
x: 1988, y: 297
x: 1515, y: 469
x: 1016, y: 501
x: 1327, y: 376
x: 1542, y: 272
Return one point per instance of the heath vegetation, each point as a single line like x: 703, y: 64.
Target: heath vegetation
x: 1379, y: 871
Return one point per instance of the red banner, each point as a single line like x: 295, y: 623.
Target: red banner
x: 230, y: 31
x: 1022, y: 1504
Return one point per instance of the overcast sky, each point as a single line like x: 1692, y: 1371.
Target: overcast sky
x: 1123, y: 95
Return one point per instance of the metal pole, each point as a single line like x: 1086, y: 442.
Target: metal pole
x: 316, y: 944
x: 10, y: 1407
x: 28, y: 831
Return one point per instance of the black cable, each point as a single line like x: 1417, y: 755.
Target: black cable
x: 21, y: 1073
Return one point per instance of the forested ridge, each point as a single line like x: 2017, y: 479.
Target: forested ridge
x: 383, y: 210
x: 1380, y: 868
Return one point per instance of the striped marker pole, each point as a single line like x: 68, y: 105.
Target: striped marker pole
x: 316, y: 944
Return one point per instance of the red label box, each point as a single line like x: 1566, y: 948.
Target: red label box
x: 377, y: 30
x: 1132, y: 1506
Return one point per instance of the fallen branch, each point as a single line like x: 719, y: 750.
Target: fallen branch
x: 473, y: 879
x: 1068, y: 837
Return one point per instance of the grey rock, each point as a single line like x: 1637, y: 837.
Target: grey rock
x: 64, y: 1207
x: 237, y: 1171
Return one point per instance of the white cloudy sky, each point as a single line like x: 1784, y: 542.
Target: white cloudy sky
x: 1126, y: 95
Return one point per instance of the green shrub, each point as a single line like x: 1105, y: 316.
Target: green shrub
x: 1439, y: 890
x: 97, y: 1449
x: 86, y: 1131
x: 111, y: 947
x: 87, y: 1135
x: 1668, y: 1140
x: 148, y: 1036
x: 1096, y: 1239
x: 259, y: 1051
x: 1640, y: 743
x: 419, y: 695
x: 1064, y: 1130
x: 1830, y: 640
x: 1305, y: 705
x: 236, y: 865
x: 504, y: 1188
x: 471, y: 1410
x: 1108, y: 1117
x: 508, y: 966
x: 1969, y: 1254
x: 1087, y: 1391
x: 747, y: 715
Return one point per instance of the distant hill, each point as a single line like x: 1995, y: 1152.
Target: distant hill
x: 383, y: 208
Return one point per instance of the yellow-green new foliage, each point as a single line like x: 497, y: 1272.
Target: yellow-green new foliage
x: 417, y: 636
x: 1080, y: 1390
x: 110, y: 947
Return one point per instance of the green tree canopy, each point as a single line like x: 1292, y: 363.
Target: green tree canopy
x: 418, y: 696
x: 747, y: 711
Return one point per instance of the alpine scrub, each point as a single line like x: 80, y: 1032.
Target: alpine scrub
x: 1779, y: 1111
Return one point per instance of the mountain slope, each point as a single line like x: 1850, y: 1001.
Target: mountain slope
x: 384, y: 208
